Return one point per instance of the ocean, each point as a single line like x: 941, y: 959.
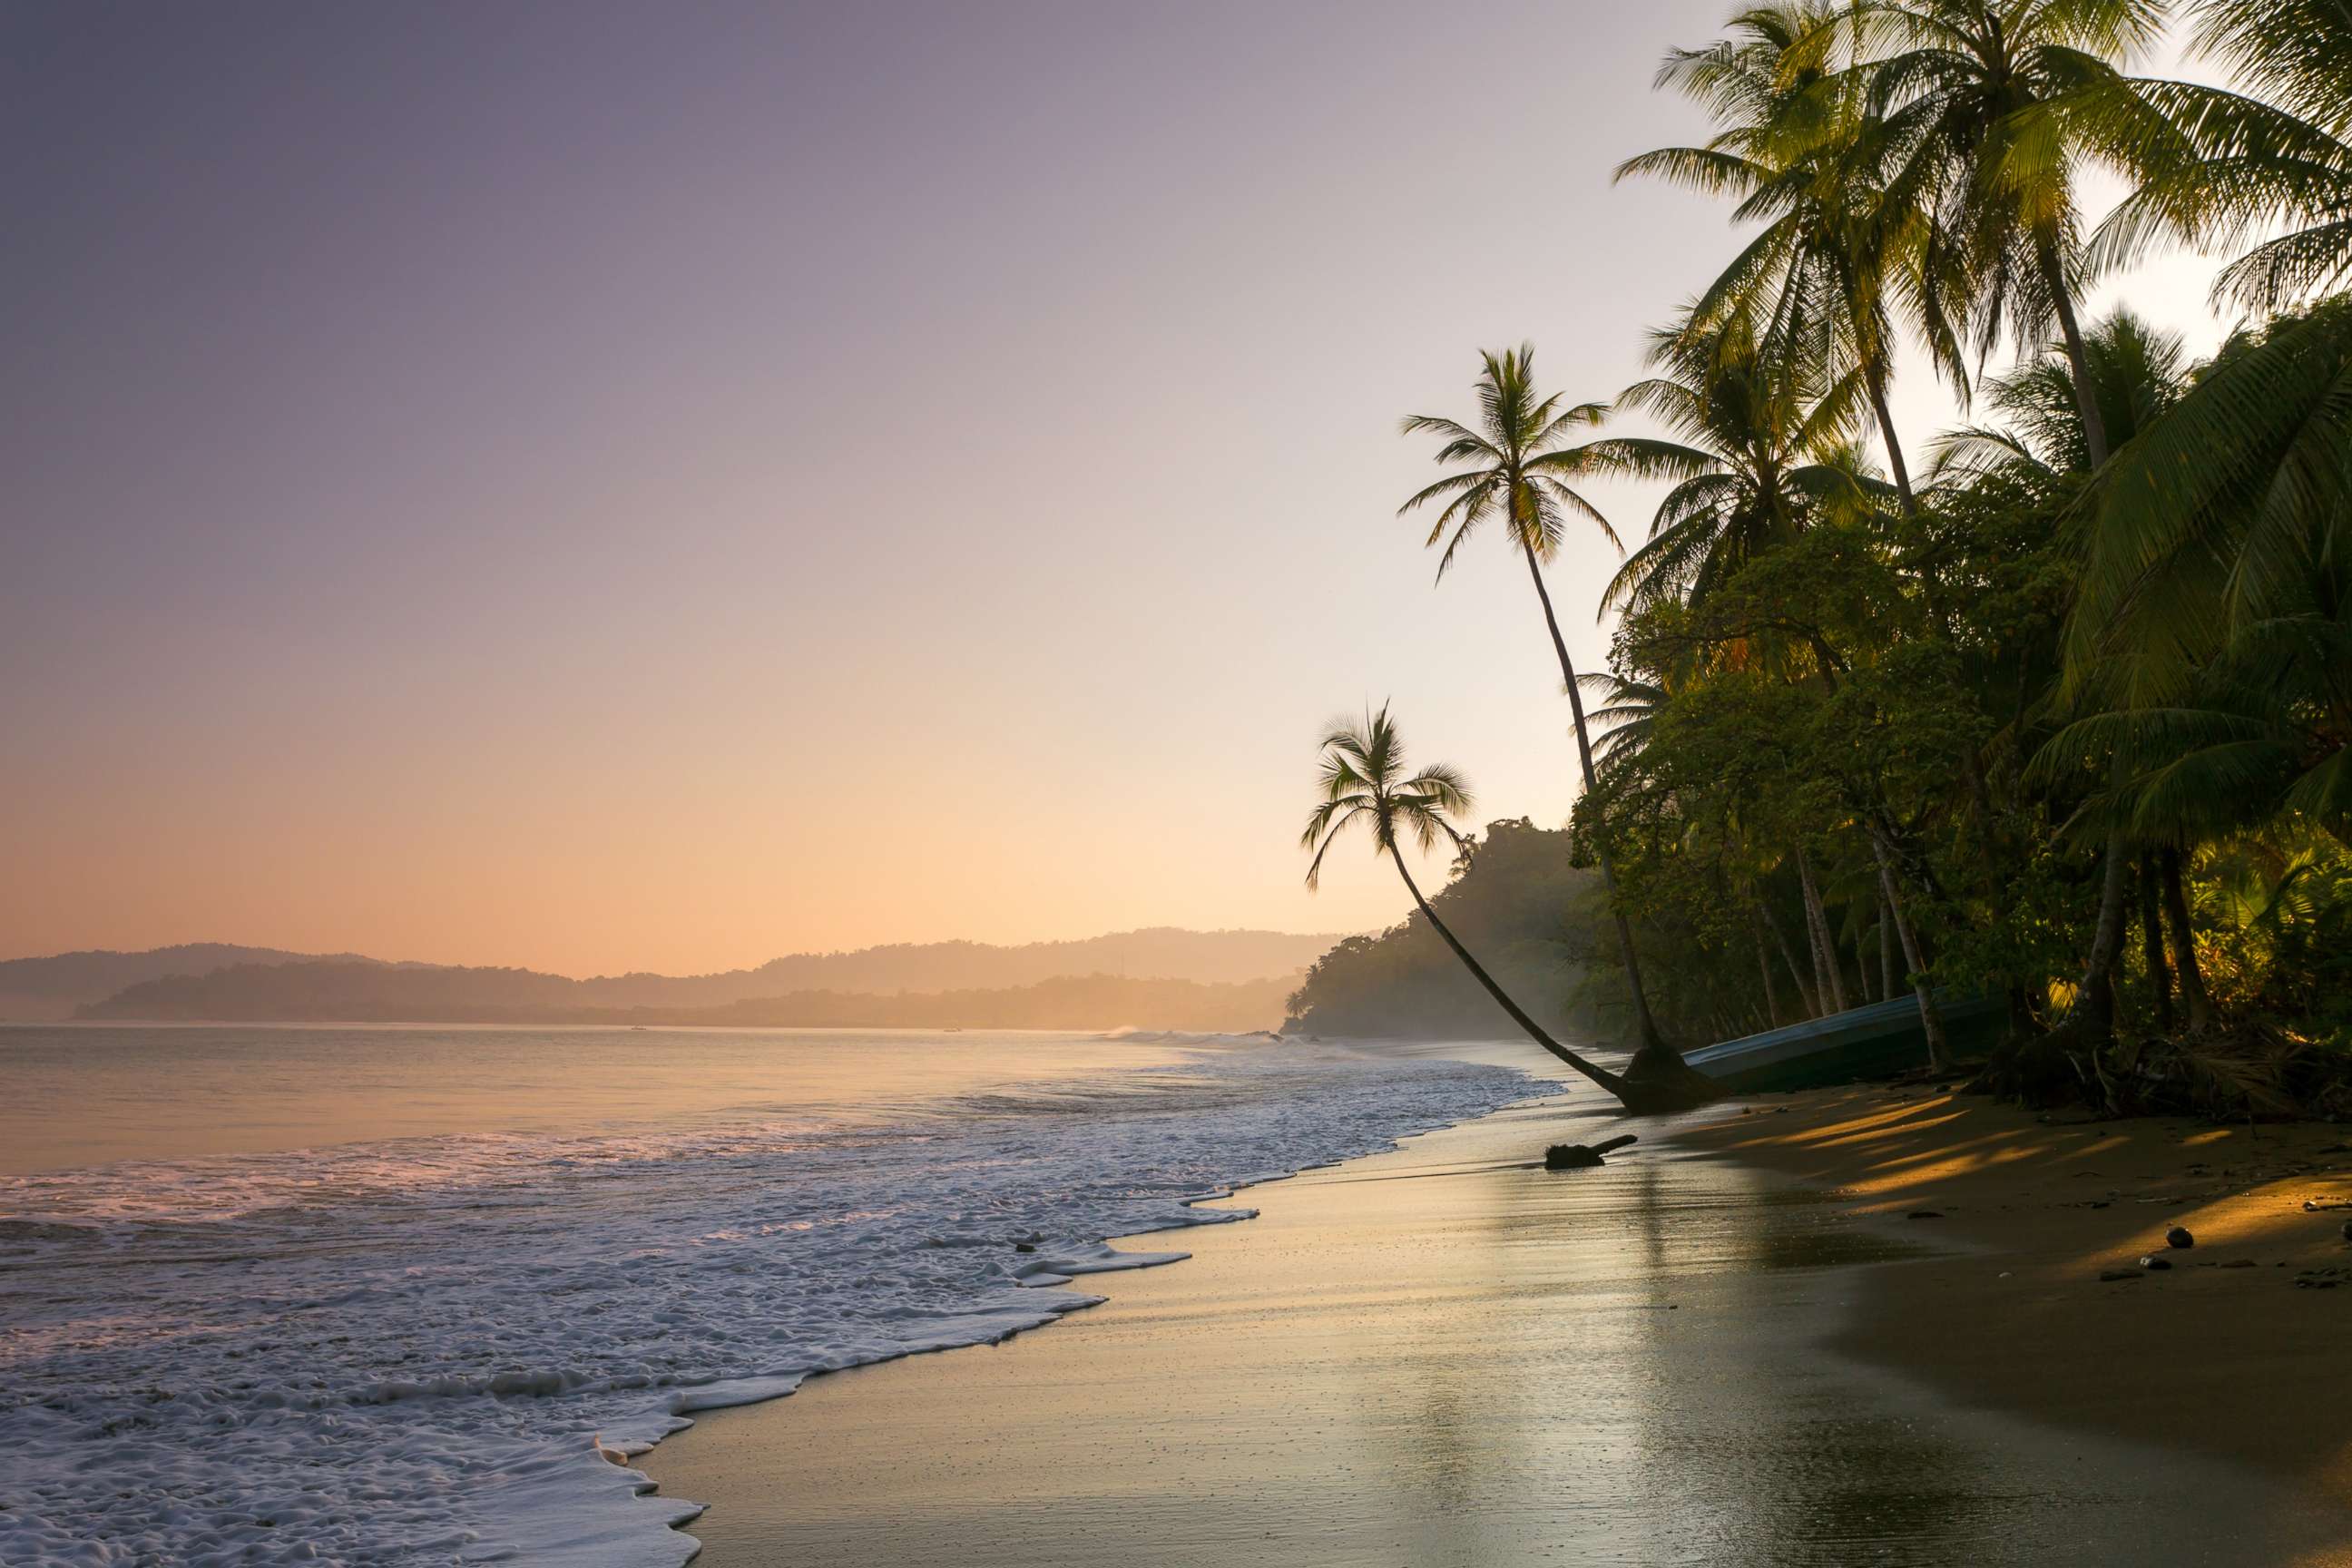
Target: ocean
x: 406, y: 1295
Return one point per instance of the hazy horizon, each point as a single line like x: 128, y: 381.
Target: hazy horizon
x: 634, y: 487
x: 205, y: 941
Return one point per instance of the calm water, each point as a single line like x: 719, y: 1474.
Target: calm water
x: 80, y: 1094
x: 392, y: 1296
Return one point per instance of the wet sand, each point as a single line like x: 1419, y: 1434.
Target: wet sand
x: 1440, y: 1356
x: 2240, y: 1349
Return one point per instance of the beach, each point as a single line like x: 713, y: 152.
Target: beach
x: 1731, y: 1345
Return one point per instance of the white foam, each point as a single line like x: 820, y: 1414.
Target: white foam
x: 434, y: 1350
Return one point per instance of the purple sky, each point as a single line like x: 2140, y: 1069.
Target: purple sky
x: 609, y: 486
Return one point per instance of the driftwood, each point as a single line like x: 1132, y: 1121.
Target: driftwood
x: 1582, y: 1156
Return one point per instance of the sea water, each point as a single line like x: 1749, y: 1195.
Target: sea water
x: 395, y: 1295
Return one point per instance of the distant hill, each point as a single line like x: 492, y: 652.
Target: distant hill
x: 1517, y: 901
x: 368, y: 993
x: 262, y: 984
x: 37, y: 988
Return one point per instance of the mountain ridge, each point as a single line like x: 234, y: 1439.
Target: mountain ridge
x: 226, y: 982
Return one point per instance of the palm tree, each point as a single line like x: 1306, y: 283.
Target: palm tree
x: 1996, y: 105
x: 1363, y: 781
x: 2226, y: 167
x: 1628, y: 713
x: 1759, y: 458
x: 1844, y: 229
x: 1518, y: 467
x: 2214, y: 616
x: 2040, y: 441
x: 2042, y: 445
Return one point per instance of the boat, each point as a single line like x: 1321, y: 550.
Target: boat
x: 1874, y: 1041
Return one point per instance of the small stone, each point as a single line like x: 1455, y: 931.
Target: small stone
x: 2239, y: 1263
x: 2347, y: 1230
x: 1023, y: 1247
x: 2178, y: 1236
x: 2152, y: 1260
x: 1926, y: 1214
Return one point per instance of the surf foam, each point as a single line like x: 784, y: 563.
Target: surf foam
x: 433, y: 1350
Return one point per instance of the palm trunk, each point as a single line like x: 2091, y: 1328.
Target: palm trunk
x: 2152, y: 940
x: 2184, y: 947
x: 1764, y: 968
x: 1827, y: 971
x: 1810, y: 997
x: 1939, y: 1049
x: 1600, y: 1075
x: 1971, y: 764
x: 2087, y: 401
x: 2098, y: 1005
x: 1895, y: 463
x: 1648, y: 1042
x: 1886, y: 953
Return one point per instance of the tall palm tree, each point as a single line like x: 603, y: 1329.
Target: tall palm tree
x: 1516, y: 465
x: 1763, y: 452
x: 1363, y: 781
x: 2214, y: 616
x: 1997, y: 105
x: 1845, y: 227
x: 2042, y: 443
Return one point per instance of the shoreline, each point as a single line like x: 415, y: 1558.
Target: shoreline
x: 1214, y: 1401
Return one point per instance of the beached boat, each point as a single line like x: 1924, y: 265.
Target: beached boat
x: 1874, y: 1041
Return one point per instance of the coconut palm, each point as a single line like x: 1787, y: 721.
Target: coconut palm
x: 1759, y: 458
x: 1628, y: 711
x: 1363, y: 782
x: 2228, y: 167
x: 2037, y: 439
x: 1516, y: 465
x: 1844, y: 229
x: 1996, y: 106
x: 2214, y: 616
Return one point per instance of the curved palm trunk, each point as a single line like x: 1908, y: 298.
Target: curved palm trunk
x: 1646, y: 1027
x: 1600, y: 1075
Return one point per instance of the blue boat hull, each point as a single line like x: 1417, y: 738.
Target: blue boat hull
x: 1875, y: 1041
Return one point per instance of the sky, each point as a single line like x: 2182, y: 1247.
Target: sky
x: 606, y: 486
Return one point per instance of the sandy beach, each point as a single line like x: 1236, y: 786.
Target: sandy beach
x: 1730, y: 1346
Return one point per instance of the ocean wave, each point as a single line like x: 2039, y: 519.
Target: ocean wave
x: 430, y: 1350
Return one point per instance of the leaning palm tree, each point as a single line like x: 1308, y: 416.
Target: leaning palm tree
x: 1363, y: 782
x: 1516, y: 465
x: 1999, y: 107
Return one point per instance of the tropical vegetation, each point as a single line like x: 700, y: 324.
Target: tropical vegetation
x: 2051, y: 706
